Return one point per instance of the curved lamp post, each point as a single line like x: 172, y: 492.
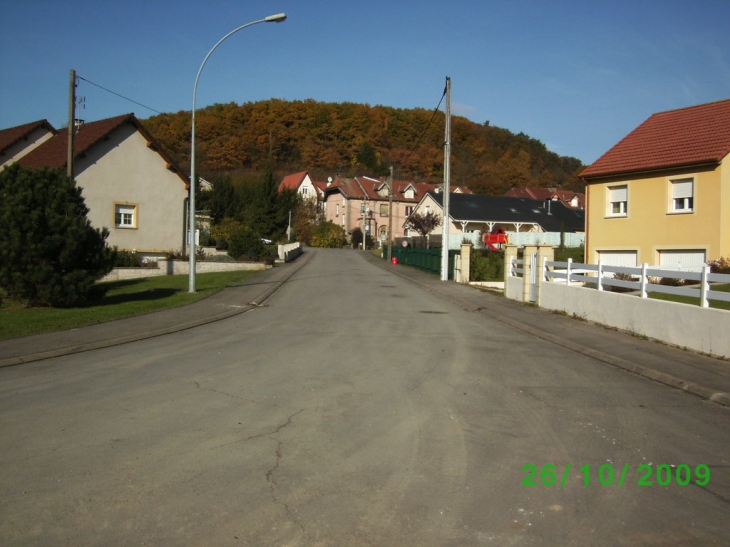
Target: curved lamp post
x: 192, y: 248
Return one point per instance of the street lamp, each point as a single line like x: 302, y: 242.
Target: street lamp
x: 278, y: 18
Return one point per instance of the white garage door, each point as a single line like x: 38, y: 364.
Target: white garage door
x: 618, y: 258
x: 688, y: 260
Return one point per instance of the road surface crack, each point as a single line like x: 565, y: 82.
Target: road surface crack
x: 273, y: 484
x: 232, y: 396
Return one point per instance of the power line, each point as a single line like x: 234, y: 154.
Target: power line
x: 122, y: 96
x: 423, y: 133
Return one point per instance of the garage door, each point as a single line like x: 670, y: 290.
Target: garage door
x: 618, y: 258
x: 688, y: 260
x: 624, y: 259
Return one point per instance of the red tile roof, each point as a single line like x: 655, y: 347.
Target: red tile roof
x: 54, y: 152
x: 689, y: 136
x: 292, y: 181
x: 10, y: 136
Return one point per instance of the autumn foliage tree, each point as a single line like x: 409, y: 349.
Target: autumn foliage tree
x: 424, y: 223
x: 359, y: 139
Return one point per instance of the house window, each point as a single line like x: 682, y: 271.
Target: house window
x: 305, y: 190
x: 617, y: 201
x: 409, y: 194
x: 125, y: 216
x: 409, y: 210
x: 383, y: 209
x: 682, y: 192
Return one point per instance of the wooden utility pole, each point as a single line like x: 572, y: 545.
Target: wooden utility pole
x: 71, y: 124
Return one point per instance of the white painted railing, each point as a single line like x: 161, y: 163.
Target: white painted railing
x: 646, y: 276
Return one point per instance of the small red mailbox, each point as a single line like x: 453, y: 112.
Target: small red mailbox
x: 394, y: 260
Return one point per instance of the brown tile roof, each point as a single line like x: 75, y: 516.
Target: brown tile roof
x: 54, y: 152
x: 689, y: 136
x: 359, y: 187
x: 10, y: 136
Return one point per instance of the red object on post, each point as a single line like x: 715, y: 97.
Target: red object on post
x: 394, y: 260
x: 496, y: 240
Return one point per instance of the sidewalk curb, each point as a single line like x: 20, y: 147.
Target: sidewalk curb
x: 698, y: 390
x: 70, y: 350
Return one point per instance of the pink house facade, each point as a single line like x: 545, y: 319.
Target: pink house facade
x: 363, y: 203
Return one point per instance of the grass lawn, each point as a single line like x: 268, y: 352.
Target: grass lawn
x: 719, y: 304
x: 122, y: 299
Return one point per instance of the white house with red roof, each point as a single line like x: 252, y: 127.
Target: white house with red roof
x: 130, y: 185
x: 304, y: 186
x: 661, y: 195
x: 16, y: 142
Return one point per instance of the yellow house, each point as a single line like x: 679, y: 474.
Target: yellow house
x: 661, y: 196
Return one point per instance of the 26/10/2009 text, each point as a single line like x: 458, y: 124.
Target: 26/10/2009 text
x: 648, y: 475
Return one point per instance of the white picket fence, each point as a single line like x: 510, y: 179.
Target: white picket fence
x: 579, y: 290
x: 646, y: 279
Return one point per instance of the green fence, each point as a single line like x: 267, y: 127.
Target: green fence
x: 428, y: 260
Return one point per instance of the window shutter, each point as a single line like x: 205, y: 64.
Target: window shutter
x: 618, y: 193
x: 682, y: 189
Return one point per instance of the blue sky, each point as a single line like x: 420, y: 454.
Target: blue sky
x: 577, y: 75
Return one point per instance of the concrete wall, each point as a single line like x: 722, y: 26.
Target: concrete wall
x: 290, y: 251
x: 180, y: 267
x: 683, y: 325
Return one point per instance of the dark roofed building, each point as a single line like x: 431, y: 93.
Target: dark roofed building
x: 475, y: 212
x: 16, y: 142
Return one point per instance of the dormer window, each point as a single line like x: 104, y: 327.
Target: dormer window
x: 409, y: 193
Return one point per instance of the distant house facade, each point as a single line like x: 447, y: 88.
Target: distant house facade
x: 363, y: 203
x: 128, y: 182
x: 16, y: 142
x: 662, y: 194
x: 482, y: 214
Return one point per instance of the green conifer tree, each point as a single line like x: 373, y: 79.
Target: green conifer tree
x: 50, y: 255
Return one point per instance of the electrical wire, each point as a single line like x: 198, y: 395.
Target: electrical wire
x: 118, y: 95
x: 423, y: 133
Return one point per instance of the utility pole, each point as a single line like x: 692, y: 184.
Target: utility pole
x: 71, y: 124
x: 390, y: 216
x: 447, y: 187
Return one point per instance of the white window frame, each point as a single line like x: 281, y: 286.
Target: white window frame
x: 126, y: 216
x: 613, y: 198
x: 681, y: 195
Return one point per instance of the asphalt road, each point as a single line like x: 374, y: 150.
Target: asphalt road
x: 355, y: 409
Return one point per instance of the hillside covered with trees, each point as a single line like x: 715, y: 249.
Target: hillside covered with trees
x: 240, y: 142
